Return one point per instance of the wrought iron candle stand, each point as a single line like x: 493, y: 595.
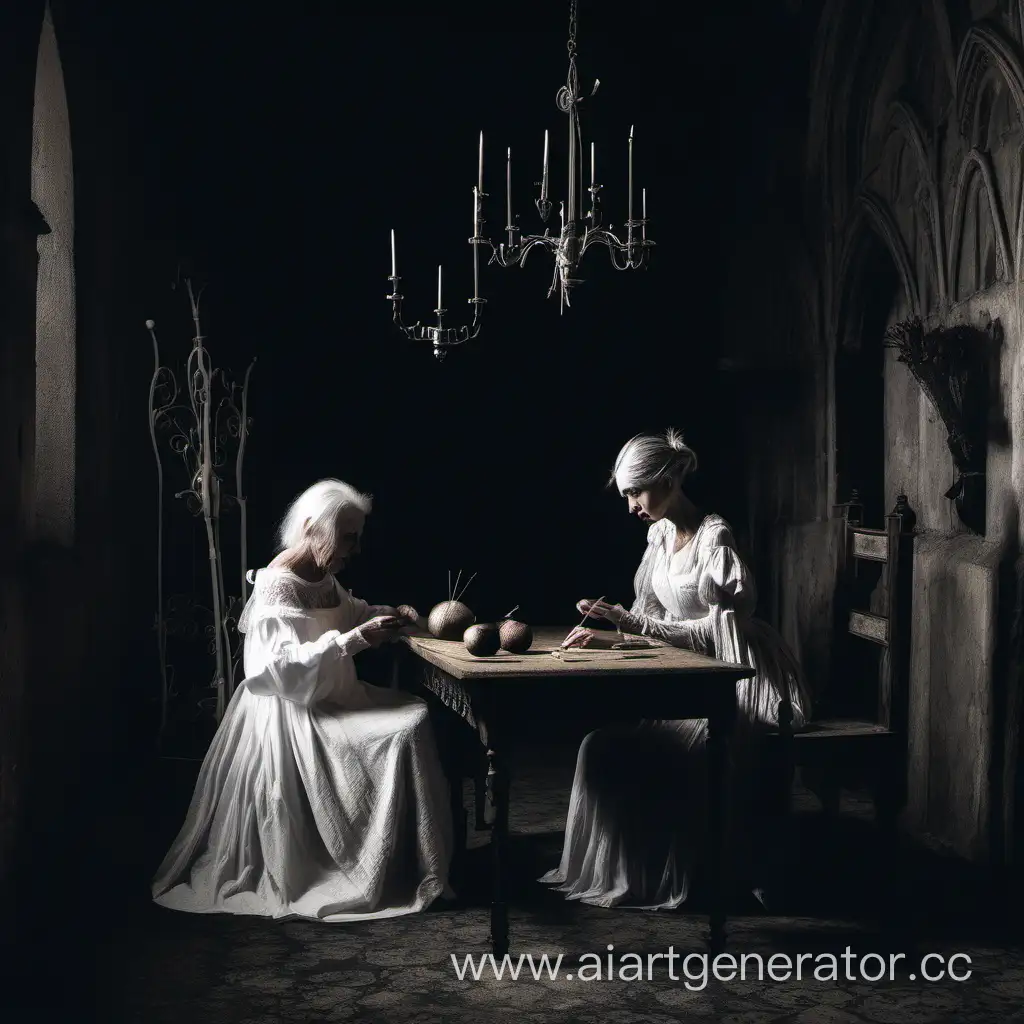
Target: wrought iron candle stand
x: 204, y: 430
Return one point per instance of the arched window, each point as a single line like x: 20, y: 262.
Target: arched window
x: 53, y: 195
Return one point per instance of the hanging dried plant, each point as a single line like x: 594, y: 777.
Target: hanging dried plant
x: 950, y: 366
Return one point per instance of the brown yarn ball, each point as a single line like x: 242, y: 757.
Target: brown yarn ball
x: 449, y: 620
x: 482, y: 640
x: 516, y: 637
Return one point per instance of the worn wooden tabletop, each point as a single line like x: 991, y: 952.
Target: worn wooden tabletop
x: 545, y: 659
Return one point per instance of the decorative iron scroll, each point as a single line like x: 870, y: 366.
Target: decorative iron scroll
x: 206, y: 427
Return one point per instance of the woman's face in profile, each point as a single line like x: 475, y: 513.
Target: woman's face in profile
x: 348, y: 535
x: 650, y: 503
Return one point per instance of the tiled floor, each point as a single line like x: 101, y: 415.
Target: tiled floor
x: 164, y: 968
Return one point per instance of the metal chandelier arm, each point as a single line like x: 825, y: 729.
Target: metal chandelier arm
x: 579, y: 231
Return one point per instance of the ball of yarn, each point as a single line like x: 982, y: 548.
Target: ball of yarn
x: 449, y: 620
x: 482, y: 640
x: 516, y: 637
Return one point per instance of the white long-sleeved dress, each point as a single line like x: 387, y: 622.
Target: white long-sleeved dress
x: 637, y: 812
x: 321, y: 796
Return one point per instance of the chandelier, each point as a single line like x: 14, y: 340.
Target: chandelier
x: 579, y: 232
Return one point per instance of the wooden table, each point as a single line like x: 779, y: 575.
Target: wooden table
x: 493, y: 695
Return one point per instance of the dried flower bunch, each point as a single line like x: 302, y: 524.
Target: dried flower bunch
x: 944, y: 363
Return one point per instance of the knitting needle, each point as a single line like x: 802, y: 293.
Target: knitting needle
x: 584, y: 619
x: 587, y: 616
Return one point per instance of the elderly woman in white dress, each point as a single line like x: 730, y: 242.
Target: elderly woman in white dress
x: 321, y: 796
x: 637, y: 820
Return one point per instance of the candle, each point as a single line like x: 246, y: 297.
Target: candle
x: 508, y: 188
x: 644, y: 213
x: 592, y: 180
x: 480, y: 166
x: 439, y: 286
x: 630, y: 172
x: 476, y: 213
x: 544, y: 176
x: 394, y: 272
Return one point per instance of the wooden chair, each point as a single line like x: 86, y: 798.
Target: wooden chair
x: 872, y: 610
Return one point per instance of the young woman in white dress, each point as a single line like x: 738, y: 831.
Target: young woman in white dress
x: 321, y: 796
x: 637, y: 813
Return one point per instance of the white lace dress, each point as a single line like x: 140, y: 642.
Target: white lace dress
x: 321, y: 796
x: 637, y: 813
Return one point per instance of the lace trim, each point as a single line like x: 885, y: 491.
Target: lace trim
x: 449, y: 691
x: 279, y: 593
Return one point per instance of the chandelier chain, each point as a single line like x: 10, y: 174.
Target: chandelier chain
x: 571, y: 45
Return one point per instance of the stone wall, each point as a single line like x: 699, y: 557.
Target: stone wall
x: 914, y: 137
x: 70, y: 535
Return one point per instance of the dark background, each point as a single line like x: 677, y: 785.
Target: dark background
x: 275, y: 153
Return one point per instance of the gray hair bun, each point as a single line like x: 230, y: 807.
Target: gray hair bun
x: 685, y: 461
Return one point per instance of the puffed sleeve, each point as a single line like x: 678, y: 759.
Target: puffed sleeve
x: 726, y: 589
x: 277, y: 664
x: 726, y: 582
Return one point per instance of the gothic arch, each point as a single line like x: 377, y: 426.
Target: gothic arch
x: 870, y: 212
x: 976, y: 162
x: 52, y: 184
x: 985, y: 45
x: 875, y: 274
x: 903, y: 118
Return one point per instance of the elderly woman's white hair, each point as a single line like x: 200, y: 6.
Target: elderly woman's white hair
x: 649, y: 458
x: 322, y: 505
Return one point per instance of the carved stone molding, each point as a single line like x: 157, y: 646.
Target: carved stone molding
x: 977, y: 161
x: 985, y: 46
x: 872, y: 210
x: 903, y: 118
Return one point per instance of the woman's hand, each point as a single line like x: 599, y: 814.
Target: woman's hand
x: 411, y: 618
x: 381, y: 629
x: 582, y: 637
x: 602, y: 610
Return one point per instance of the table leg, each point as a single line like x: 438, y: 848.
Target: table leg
x: 459, y: 830
x: 718, y: 756
x: 498, y: 782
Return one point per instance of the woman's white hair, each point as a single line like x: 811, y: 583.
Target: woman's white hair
x: 321, y: 505
x: 649, y: 458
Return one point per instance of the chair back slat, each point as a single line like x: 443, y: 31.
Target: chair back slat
x: 870, y: 627
x: 886, y: 623
x: 869, y: 545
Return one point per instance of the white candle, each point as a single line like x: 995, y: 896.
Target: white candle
x: 644, y: 214
x: 480, y: 167
x: 476, y: 214
x: 508, y: 188
x: 439, y: 286
x: 544, y: 176
x: 591, y: 163
x: 394, y: 272
x: 630, y: 172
